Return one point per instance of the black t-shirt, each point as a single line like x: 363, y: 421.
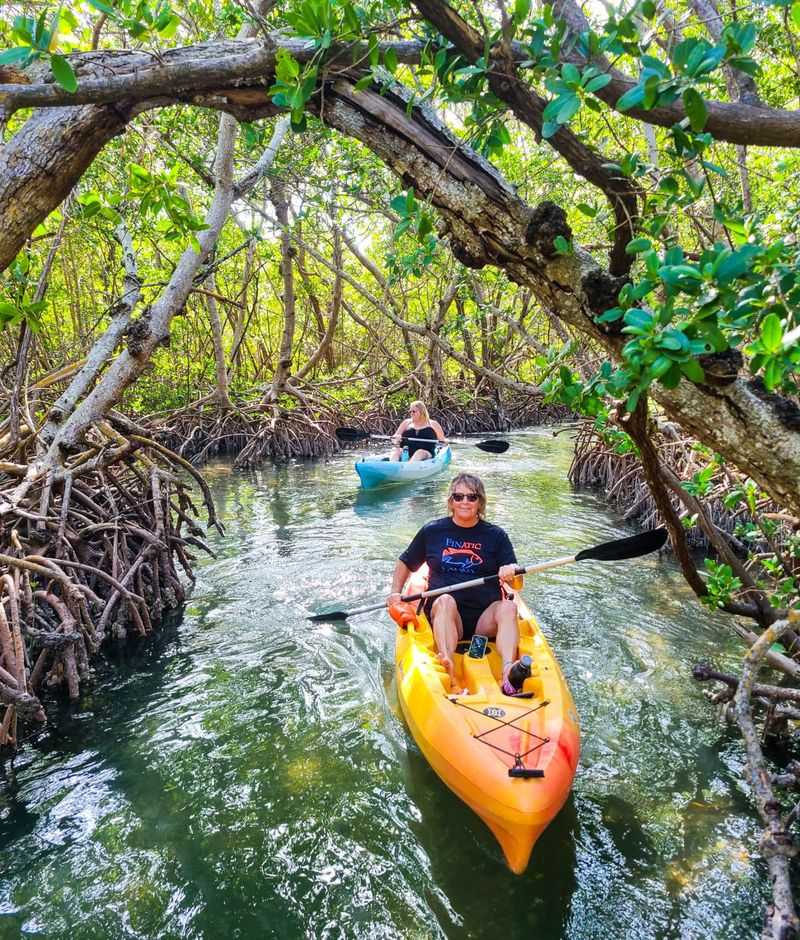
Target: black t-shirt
x: 413, y: 445
x: 457, y: 553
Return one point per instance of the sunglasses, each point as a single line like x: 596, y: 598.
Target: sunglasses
x: 470, y: 497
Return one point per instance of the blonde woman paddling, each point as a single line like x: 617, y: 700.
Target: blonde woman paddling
x: 419, y: 433
x: 460, y: 547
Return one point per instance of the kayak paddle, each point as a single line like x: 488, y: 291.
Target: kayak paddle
x: 616, y: 550
x: 496, y: 446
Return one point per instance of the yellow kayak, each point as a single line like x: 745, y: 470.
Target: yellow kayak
x: 511, y: 759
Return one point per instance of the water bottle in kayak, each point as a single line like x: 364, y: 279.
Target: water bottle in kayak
x: 520, y: 671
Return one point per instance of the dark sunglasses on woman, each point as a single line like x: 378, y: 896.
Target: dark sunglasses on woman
x: 470, y: 497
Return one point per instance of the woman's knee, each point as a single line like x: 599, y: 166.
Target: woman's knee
x: 444, y: 604
x: 507, y: 610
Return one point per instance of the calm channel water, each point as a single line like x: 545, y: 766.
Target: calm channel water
x: 247, y: 774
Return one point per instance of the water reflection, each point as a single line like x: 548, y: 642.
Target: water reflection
x: 247, y: 773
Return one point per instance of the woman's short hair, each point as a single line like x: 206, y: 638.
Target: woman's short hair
x: 476, y: 486
x: 420, y: 405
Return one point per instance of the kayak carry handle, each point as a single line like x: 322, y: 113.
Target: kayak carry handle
x: 525, y: 773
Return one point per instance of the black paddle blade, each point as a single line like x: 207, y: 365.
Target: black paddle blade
x: 493, y: 447
x: 332, y: 617
x: 632, y: 547
x: 351, y: 434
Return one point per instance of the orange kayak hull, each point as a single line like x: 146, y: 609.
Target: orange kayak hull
x: 473, y: 739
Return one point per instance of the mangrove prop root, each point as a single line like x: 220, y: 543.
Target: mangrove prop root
x: 256, y: 432
x: 777, y: 845
x: 738, y: 697
x: 88, y: 552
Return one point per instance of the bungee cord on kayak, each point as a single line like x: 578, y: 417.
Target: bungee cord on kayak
x: 519, y: 769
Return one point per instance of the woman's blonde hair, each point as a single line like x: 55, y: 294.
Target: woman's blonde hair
x: 422, y: 409
x: 475, y: 484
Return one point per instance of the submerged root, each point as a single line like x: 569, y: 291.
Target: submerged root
x: 777, y: 845
x: 89, y: 553
x: 252, y: 434
x: 617, y: 470
x: 267, y: 431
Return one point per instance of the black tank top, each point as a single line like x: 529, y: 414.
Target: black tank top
x: 427, y: 432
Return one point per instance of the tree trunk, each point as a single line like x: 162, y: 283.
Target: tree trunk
x: 43, y: 161
x: 221, y: 397
x: 284, y: 365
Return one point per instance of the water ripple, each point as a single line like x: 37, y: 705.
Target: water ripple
x: 247, y: 773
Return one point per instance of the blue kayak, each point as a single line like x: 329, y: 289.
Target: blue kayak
x: 379, y: 471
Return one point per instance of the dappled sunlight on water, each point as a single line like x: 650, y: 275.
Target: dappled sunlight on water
x: 247, y: 773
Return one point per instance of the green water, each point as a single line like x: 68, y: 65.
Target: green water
x: 246, y: 774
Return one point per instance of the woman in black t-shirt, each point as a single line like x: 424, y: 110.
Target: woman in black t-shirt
x: 461, y: 547
x: 419, y: 433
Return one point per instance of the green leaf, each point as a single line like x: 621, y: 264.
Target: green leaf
x: 400, y: 205
x: 390, y: 60
x: 735, y: 264
x: 796, y: 14
x: 590, y: 211
x: 610, y: 315
x: 363, y: 83
x: 12, y: 56
x: 771, y: 333
x: 656, y: 65
x: 693, y: 370
x: 598, y: 82
x: 287, y: 68
x: 170, y: 27
x: 562, y: 246
x: 570, y: 73
x: 102, y: 7
x: 63, y: 74
x: 549, y: 128
x: 640, y: 319
x: 570, y: 106
x: 637, y: 246
x: 661, y: 365
x: 695, y: 109
x: 521, y: 9
x: 631, y: 98
x: 773, y: 374
x: 8, y: 311
x: 745, y: 64
x: 674, y: 340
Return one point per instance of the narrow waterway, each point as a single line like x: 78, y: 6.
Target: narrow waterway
x: 247, y: 774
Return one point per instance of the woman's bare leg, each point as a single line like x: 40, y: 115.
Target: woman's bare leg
x: 499, y: 620
x: 447, y: 630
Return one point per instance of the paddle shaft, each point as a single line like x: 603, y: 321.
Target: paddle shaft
x: 422, y: 440
x: 615, y: 550
x: 476, y: 582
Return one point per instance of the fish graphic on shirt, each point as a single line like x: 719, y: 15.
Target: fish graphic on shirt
x: 460, y: 559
